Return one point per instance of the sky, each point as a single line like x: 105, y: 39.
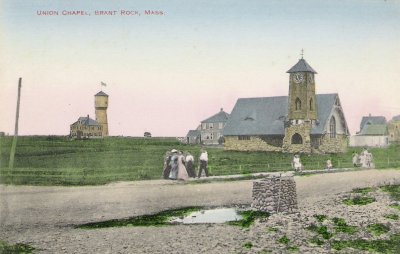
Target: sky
x: 166, y: 73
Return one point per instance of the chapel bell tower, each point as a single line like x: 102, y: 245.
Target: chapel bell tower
x: 101, y: 105
x: 302, y: 101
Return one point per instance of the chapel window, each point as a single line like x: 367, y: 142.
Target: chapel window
x: 298, y: 104
x: 332, y: 127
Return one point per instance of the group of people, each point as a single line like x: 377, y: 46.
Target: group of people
x: 298, y: 166
x: 179, y: 165
x: 363, y: 160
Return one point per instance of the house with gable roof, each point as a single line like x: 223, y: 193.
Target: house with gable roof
x: 371, y: 120
x: 302, y: 122
x: 373, y: 132
x: 212, y: 127
x: 86, y: 127
x: 209, y: 132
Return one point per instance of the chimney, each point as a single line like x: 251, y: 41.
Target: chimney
x: 222, y: 109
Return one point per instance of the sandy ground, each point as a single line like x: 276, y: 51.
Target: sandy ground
x: 44, y: 216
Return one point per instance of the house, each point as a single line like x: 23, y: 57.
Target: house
x: 371, y: 120
x: 193, y: 136
x: 372, y: 135
x: 212, y: 127
x: 86, y: 127
x: 302, y: 122
x: 394, y: 130
x: 373, y: 132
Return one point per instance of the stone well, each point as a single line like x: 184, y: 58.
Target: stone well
x: 275, y: 193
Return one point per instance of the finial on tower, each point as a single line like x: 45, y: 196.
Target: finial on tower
x: 302, y: 53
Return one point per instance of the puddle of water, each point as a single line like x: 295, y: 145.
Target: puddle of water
x: 210, y: 216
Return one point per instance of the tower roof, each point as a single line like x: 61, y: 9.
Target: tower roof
x: 101, y: 93
x: 301, y: 65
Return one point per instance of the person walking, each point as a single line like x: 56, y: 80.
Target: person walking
x: 182, y: 172
x: 173, y: 174
x: 167, y: 164
x: 355, y: 159
x: 203, y: 163
x: 190, y: 165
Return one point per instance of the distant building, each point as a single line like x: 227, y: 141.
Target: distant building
x: 394, y: 130
x: 193, y: 136
x: 371, y: 120
x: 86, y: 127
x: 209, y: 132
x: 101, y: 105
x: 373, y: 132
x: 302, y: 122
x: 212, y: 127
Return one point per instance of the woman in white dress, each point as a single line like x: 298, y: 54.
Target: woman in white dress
x: 182, y: 172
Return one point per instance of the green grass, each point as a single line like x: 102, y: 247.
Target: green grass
x: 363, y: 190
x: 320, y: 217
x: 317, y: 241
x: 396, y: 206
x: 56, y: 160
x: 393, y: 190
x: 392, y: 216
x: 392, y: 245
x: 378, y: 229
x: 341, y: 226
x: 248, y: 218
x: 284, y: 240
x: 248, y: 245
x: 158, y: 219
x: 6, y: 248
x: 321, y: 230
x: 359, y: 200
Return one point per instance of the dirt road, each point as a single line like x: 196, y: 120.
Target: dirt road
x: 43, y: 215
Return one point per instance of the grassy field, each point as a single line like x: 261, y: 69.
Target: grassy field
x: 55, y: 160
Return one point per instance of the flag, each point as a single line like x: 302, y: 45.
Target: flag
x: 103, y: 84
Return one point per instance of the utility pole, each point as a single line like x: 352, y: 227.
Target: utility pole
x: 14, y: 143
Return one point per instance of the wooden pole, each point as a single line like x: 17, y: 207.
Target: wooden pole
x: 14, y: 143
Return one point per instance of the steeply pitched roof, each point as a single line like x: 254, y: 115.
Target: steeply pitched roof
x: 374, y: 129
x: 266, y: 115
x: 86, y: 121
x: 257, y: 116
x: 372, y: 120
x: 101, y: 93
x: 193, y: 133
x: 221, y: 116
x: 301, y: 65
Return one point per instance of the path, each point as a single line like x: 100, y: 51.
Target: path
x: 26, y: 212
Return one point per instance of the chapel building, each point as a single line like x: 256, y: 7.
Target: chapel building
x: 302, y: 122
